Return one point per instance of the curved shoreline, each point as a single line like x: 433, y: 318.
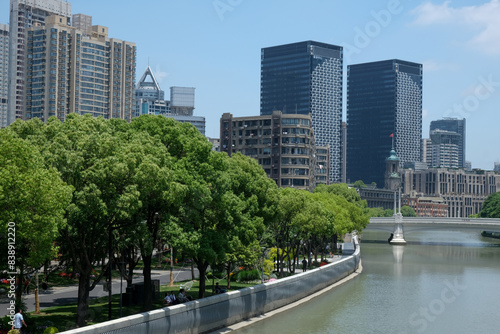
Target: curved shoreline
x: 231, y: 310
x: 267, y: 315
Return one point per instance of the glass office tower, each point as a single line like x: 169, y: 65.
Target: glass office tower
x: 383, y: 98
x: 306, y: 78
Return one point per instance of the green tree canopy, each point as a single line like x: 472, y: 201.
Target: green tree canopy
x: 407, y: 211
x: 359, y: 184
x: 491, y: 206
x: 31, y: 196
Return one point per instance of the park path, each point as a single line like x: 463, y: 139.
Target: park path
x: 57, y: 296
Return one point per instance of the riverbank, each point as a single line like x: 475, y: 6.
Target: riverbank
x: 220, y: 311
x: 303, y: 301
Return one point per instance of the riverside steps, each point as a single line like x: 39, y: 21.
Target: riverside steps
x: 223, y: 310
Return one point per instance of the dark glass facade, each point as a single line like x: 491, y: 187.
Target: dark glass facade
x: 453, y: 125
x: 383, y: 98
x: 306, y: 78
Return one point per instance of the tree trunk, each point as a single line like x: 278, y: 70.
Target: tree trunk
x: 228, y: 271
x: 148, y: 300
x: 83, y: 299
x: 20, y: 285
x: 202, y: 269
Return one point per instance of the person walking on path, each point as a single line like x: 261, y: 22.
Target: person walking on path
x: 27, y: 286
x: 304, y: 264
x: 19, y: 321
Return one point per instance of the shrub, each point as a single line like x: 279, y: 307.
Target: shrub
x: 14, y: 331
x: 50, y: 330
x: 248, y: 275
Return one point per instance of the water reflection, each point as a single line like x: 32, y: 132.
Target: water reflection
x: 397, y: 253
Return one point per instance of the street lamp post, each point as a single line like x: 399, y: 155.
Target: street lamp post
x: 262, y: 265
x: 171, y: 266
x: 110, y: 258
x: 122, y: 267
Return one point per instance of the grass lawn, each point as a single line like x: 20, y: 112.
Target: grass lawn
x: 63, y: 317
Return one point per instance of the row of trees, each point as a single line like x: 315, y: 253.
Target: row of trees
x: 94, y: 190
x: 406, y: 211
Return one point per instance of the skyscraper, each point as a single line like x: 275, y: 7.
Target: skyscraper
x: 25, y: 14
x: 452, y: 132
x: 4, y: 73
x: 69, y: 70
x: 306, y: 78
x: 149, y: 97
x: 383, y: 98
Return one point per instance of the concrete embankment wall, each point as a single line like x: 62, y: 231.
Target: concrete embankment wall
x: 229, y: 308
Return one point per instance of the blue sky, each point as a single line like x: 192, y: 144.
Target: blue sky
x: 214, y: 46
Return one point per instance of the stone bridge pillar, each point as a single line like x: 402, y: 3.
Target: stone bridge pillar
x: 397, y: 236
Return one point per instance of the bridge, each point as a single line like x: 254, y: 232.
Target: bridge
x: 397, y: 224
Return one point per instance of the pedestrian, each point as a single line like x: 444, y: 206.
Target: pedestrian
x: 182, y: 297
x: 19, y: 321
x: 218, y: 289
x: 304, y: 264
x: 27, y: 285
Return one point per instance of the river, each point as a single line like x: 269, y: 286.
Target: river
x: 441, y: 282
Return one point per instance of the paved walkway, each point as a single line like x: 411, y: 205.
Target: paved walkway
x: 64, y: 295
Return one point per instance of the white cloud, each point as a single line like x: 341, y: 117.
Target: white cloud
x: 425, y: 113
x: 432, y: 65
x: 484, y: 19
x: 159, y: 74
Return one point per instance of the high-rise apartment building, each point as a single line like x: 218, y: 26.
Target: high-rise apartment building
x: 426, y: 151
x: 383, y: 98
x: 4, y: 73
x: 25, y: 14
x: 282, y: 144
x: 68, y: 70
x: 445, y: 148
x: 452, y: 133
x: 306, y: 78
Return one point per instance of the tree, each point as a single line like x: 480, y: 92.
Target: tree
x: 354, y: 204
x: 407, y: 211
x: 359, y: 184
x: 375, y: 212
x: 258, y: 197
x: 160, y: 197
x: 388, y: 213
x: 86, y: 153
x: 340, y: 189
x: 164, y: 186
x: 33, y: 198
x: 491, y: 206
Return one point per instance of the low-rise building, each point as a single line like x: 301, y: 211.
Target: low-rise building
x: 425, y: 206
x: 464, y: 192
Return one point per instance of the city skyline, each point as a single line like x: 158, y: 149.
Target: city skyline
x: 215, y: 47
